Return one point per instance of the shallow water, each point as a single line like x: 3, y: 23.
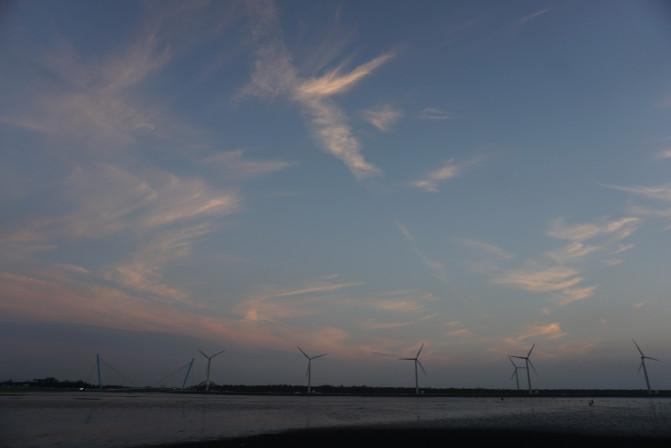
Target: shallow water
x: 99, y: 419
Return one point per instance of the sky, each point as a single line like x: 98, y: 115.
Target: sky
x: 356, y: 178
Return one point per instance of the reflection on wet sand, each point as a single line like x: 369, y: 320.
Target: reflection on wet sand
x: 99, y: 419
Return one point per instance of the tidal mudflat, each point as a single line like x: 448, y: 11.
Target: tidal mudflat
x: 104, y: 419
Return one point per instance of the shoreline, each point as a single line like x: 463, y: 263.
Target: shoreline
x: 427, y: 436
x: 467, y: 393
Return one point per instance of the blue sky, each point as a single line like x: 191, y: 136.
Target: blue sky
x: 353, y: 177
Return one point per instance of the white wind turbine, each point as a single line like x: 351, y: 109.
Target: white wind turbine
x: 527, y: 364
x: 516, y: 370
x: 643, y: 366
x: 209, y: 364
x: 417, y: 363
x: 308, y: 371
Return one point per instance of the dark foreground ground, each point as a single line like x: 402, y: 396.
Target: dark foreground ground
x: 430, y: 437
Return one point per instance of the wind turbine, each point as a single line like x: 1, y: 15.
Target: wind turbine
x: 515, y: 374
x: 209, y: 364
x: 417, y: 363
x: 527, y: 363
x: 643, y: 366
x: 308, y: 371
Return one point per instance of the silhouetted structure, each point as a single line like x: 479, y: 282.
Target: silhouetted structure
x: 417, y: 363
x: 209, y: 365
x: 644, y: 367
x: 527, y: 364
x: 308, y: 371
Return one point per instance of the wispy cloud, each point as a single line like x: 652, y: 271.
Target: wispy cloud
x: 317, y: 288
x: 382, y: 117
x: 275, y: 74
x: 532, y: 16
x: 560, y: 280
x: 571, y: 251
x: 235, y: 164
x: 619, y: 228
x: 48, y: 298
x: 621, y: 248
x: 387, y: 325
x: 142, y: 272
x: 660, y: 192
x: 398, y: 306
x: 664, y: 154
x: 275, y: 304
x: 110, y: 198
x: 454, y: 328
x: 433, y: 113
x: 96, y: 101
x: 447, y: 171
x: 403, y: 301
x: 436, y: 268
x: 486, y: 247
x: 551, y: 331
x: 335, y: 81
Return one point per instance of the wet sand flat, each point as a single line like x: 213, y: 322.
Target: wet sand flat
x: 103, y: 419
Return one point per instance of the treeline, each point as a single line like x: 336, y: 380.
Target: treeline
x: 51, y: 383
x: 287, y: 389
x: 45, y: 384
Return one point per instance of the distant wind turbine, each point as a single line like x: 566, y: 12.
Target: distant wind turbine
x: 308, y: 371
x: 643, y: 366
x: 527, y: 364
x: 417, y: 363
x: 209, y: 364
x: 516, y: 370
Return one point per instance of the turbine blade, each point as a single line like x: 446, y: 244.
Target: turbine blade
x: 421, y: 347
x: 638, y: 348
x: 203, y: 353
x: 407, y: 359
x: 421, y: 366
x: 640, y: 366
x: 531, y: 350
x: 217, y: 354
x: 307, y: 371
x: 513, y: 375
x: 301, y: 350
x: 510, y: 358
x: 319, y: 356
x: 650, y: 357
x: 518, y: 357
x: 533, y: 368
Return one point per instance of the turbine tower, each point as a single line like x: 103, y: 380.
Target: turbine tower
x: 209, y: 364
x: 308, y: 371
x: 188, y: 371
x: 643, y: 366
x: 100, y: 382
x: 527, y: 364
x: 516, y: 370
x: 417, y: 363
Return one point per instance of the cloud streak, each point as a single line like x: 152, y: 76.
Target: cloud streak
x: 274, y: 74
x: 234, y: 163
x: 433, y: 113
x: 383, y: 118
x: 560, y: 280
x: 436, y: 268
x: 445, y: 172
x: 532, y: 16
